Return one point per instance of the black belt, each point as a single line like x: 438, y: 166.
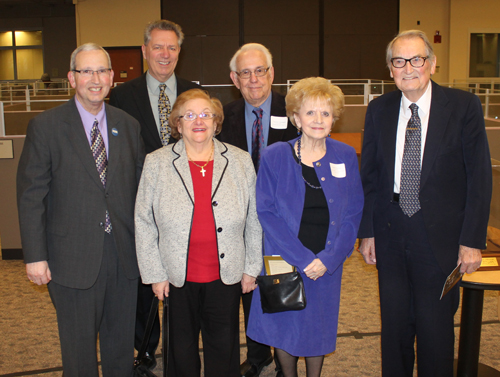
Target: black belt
x: 395, y: 197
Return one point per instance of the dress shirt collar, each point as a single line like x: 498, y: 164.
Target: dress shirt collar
x: 423, y: 103
x: 153, y: 84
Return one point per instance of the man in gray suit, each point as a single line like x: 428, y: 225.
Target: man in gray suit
x: 76, y: 186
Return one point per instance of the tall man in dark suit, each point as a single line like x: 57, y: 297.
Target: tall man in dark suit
x: 251, y: 123
x: 141, y: 98
x: 76, y: 186
x: 426, y: 172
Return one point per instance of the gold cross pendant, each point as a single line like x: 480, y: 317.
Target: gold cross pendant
x: 202, y: 171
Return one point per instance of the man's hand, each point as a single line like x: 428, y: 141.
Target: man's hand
x: 248, y: 283
x: 38, y: 272
x: 470, y: 259
x: 367, y: 250
x: 315, y: 270
x: 161, y: 289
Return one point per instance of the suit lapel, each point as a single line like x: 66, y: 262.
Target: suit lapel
x: 181, y: 165
x: 141, y: 96
x: 79, y: 141
x: 238, y: 125
x: 113, y: 144
x: 277, y: 109
x: 438, y: 120
x: 220, y: 165
x: 388, y: 133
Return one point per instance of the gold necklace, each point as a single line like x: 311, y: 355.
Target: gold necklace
x: 202, y: 171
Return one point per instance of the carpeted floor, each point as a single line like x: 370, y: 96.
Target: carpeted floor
x: 29, y: 343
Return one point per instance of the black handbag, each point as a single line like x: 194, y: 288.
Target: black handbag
x: 282, y: 292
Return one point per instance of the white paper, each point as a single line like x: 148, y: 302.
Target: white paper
x: 279, y: 123
x: 279, y: 267
x: 338, y: 170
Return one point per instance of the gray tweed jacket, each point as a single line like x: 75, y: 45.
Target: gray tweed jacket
x: 164, y: 212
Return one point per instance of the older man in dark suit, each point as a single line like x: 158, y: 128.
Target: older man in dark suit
x: 77, y: 181
x: 426, y: 172
x: 149, y: 99
x: 251, y: 123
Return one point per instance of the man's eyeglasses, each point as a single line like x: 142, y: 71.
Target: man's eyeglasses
x: 190, y: 116
x: 247, y: 73
x: 416, y: 62
x: 89, y: 72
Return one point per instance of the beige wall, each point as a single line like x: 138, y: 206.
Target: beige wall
x: 113, y: 23
x: 469, y: 17
x: 433, y: 15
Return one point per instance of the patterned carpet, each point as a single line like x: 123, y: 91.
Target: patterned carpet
x: 30, y: 344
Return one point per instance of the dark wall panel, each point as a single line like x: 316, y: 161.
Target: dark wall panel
x: 281, y: 17
x: 59, y: 39
x: 355, y: 35
x: 202, y: 17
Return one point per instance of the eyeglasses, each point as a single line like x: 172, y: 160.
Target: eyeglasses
x: 190, y: 116
x: 247, y: 73
x: 89, y: 72
x: 416, y: 62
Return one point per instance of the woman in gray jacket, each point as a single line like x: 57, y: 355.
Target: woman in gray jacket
x: 198, y: 238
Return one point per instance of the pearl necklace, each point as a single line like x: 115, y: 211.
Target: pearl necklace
x: 300, y: 163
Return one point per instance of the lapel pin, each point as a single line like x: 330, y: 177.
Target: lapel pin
x: 114, y: 132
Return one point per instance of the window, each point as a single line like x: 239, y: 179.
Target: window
x: 21, y: 54
x: 484, y: 55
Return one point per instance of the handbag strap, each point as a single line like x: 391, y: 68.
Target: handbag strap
x: 165, y: 337
x: 153, y: 311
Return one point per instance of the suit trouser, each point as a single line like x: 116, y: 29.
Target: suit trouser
x: 108, y: 309
x: 257, y: 353
x: 410, y: 284
x: 145, y: 296
x: 213, y: 309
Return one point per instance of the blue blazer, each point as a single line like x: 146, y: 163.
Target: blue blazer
x: 280, y: 202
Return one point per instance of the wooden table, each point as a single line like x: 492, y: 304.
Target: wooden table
x: 474, y: 286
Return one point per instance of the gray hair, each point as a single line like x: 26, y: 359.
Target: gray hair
x: 163, y: 25
x: 248, y: 47
x: 87, y: 47
x: 409, y: 34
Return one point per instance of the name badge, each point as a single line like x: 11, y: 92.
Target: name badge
x: 338, y: 170
x: 279, y: 123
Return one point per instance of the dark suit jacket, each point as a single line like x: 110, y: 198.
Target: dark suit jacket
x: 133, y: 98
x: 62, y: 202
x: 455, y: 186
x: 234, y: 131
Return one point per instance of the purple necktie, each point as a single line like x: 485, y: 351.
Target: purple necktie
x: 101, y: 161
x: 257, y: 138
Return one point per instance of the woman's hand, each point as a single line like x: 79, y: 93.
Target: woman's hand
x: 248, y: 283
x: 315, y: 270
x: 161, y: 289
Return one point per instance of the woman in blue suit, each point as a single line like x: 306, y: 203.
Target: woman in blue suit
x: 309, y: 202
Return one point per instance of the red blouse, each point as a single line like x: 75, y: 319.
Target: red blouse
x: 203, y: 257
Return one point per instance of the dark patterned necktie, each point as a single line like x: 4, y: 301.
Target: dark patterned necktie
x: 410, y: 166
x: 101, y: 161
x: 164, y: 110
x: 257, y: 138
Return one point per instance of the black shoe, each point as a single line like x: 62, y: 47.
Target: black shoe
x: 252, y: 370
x: 149, y: 361
x: 279, y: 374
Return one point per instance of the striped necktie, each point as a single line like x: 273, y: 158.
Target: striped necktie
x: 257, y: 138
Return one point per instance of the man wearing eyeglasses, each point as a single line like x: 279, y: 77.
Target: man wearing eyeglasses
x: 149, y: 99
x: 76, y: 187
x: 251, y: 123
x: 426, y: 174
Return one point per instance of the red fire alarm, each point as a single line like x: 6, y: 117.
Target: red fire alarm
x: 437, y: 37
